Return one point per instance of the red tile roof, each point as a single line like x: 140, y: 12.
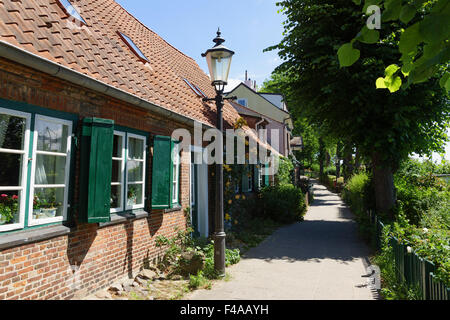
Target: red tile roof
x: 96, y: 50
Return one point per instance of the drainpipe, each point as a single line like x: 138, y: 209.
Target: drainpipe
x: 36, y: 62
x: 258, y: 123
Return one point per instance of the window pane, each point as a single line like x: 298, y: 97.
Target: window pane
x: 10, y: 169
x: 135, y: 171
x: 52, y: 136
x: 134, y: 195
x: 116, y: 171
x: 135, y: 148
x: 50, y: 169
x: 12, y: 132
x: 48, y: 203
x: 117, y: 146
x: 9, y: 207
x: 116, y: 196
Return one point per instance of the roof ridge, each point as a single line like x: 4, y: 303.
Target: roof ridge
x: 148, y: 28
x: 258, y: 94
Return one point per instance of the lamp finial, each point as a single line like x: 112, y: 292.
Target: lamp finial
x: 218, y: 40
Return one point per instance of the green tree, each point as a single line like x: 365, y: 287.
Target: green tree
x: 344, y: 103
x: 418, y: 29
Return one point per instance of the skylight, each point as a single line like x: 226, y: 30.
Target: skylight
x: 196, y: 91
x: 133, y: 47
x: 70, y: 10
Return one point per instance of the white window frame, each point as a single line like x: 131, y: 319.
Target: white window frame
x: 23, y: 174
x: 122, y: 173
x: 144, y: 161
x: 176, y: 175
x: 31, y: 220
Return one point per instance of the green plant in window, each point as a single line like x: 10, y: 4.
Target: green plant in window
x: 132, y: 195
x: 9, y: 206
x: 46, y: 204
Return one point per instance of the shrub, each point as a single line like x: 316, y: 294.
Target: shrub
x: 315, y: 167
x: 231, y: 257
x: 284, y: 174
x: 355, y: 192
x: 330, y: 182
x: 199, y: 281
x: 438, y: 217
x: 331, y: 171
x: 284, y: 204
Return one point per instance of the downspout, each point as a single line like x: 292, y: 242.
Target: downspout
x: 36, y: 62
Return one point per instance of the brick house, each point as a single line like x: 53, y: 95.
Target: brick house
x: 89, y: 98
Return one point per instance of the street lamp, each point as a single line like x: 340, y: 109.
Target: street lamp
x: 219, y: 62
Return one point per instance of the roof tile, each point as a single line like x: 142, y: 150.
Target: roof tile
x: 41, y: 27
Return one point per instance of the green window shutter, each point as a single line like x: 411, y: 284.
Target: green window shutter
x: 162, y: 173
x: 96, y: 169
x: 266, y: 177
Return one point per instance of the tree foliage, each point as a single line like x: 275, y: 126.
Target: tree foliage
x: 418, y: 29
x: 343, y: 102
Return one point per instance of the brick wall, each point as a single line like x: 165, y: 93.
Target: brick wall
x: 91, y: 257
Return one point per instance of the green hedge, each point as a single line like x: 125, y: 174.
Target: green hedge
x: 284, y: 203
x: 333, y: 184
x: 422, y: 217
x: 355, y: 191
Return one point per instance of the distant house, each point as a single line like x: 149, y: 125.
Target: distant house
x: 271, y: 106
x: 89, y: 98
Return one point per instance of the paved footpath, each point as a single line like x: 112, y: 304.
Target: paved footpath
x: 321, y: 258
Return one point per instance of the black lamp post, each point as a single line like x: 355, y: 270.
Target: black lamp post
x: 219, y: 62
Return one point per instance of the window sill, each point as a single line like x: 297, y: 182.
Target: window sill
x: 177, y: 207
x: 34, y: 235
x: 117, y: 218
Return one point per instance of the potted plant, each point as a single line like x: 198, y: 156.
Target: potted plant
x: 49, y: 206
x: 132, y: 196
x: 36, y: 207
x: 9, y: 208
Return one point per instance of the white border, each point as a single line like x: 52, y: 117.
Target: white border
x: 25, y: 162
x: 35, y: 222
x: 122, y: 173
x: 137, y: 206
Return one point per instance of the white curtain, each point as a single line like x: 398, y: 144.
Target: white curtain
x: 41, y: 175
x: 4, y: 122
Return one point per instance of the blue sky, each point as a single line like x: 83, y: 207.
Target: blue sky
x: 248, y: 26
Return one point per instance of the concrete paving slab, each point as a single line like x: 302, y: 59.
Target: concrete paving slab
x: 321, y: 258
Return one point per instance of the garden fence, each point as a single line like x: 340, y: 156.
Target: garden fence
x: 410, y: 268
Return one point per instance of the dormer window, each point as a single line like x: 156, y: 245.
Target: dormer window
x: 196, y: 90
x: 133, y: 47
x: 70, y: 10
